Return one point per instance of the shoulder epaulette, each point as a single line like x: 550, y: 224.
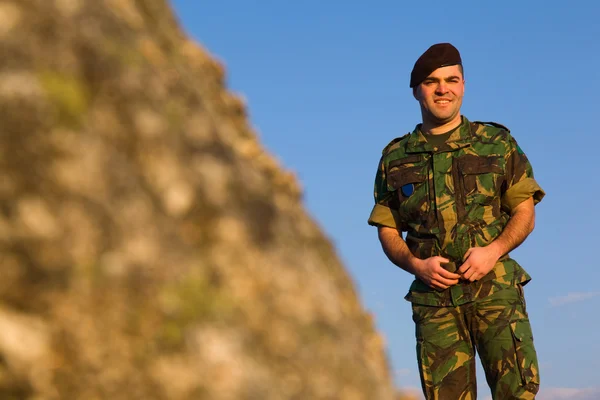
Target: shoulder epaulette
x: 387, y: 148
x: 495, y: 124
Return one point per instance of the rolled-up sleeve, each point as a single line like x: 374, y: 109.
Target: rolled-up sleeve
x: 382, y: 214
x: 520, y: 183
x: 521, y: 191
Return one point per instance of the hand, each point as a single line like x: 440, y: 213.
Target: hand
x: 433, y: 274
x: 478, y: 261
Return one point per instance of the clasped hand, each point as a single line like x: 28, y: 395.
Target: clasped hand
x: 477, y: 262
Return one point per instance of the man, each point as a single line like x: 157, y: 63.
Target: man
x: 464, y: 193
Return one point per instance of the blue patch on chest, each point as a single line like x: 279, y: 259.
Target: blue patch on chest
x: 407, y: 190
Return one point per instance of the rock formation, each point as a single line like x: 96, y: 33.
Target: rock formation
x: 149, y: 247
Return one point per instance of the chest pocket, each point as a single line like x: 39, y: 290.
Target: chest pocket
x: 481, y: 177
x: 408, y: 179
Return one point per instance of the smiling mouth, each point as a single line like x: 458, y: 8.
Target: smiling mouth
x: 443, y: 101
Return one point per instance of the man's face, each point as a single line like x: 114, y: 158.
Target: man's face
x: 440, y: 95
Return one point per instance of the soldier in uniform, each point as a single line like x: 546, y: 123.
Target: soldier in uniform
x: 464, y: 193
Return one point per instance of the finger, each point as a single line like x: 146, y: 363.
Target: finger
x: 439, y: 286
x: 436, y: 285
x: 464, y: 268
x: 441, y: 259
x: 469, y: 274
x: 475, y: 277
x: 447, y: 274
x: 467, y: 254
x: 446, y: 281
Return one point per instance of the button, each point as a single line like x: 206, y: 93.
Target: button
x: 435, y: 149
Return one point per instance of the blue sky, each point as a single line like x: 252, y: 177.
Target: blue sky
x: 327, y: 88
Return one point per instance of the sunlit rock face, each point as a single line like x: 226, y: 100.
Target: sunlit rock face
x: 149, y: 247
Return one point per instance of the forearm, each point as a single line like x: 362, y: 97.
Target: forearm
x: 519, y: 226
x: 429, y: 271
x: 395, y: 248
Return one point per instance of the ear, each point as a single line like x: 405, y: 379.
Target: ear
x: 415, y: 92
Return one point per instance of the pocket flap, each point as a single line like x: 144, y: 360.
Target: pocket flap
x: 472, y: 165
x: 399, y: 177
x: 521, y: 332
x: 410, y: 159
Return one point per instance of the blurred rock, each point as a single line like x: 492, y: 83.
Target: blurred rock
x: 149, y: 247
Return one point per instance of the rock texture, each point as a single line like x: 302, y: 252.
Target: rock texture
x: 149, y: 247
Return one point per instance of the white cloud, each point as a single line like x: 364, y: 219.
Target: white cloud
x: 568, y: 394
x: 572, y: 298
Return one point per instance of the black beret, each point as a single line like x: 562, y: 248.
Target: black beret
x: 437, y: 56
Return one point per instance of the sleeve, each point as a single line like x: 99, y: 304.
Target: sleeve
x: 383, y: 213
x: 519, y: 184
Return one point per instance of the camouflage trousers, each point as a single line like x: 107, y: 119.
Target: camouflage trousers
x: 497, y: 327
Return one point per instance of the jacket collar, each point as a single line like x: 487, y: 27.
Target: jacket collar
x: 461, y: 137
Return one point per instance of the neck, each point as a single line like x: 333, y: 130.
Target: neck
x: 433, y: 128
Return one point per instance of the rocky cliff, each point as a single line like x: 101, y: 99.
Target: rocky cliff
x: 149, y: 247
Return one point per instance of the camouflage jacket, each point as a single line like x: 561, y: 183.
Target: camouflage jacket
x: 454, y: 197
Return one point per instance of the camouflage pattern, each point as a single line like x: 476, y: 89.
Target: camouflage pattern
x: 497, y: 327
x: 448, y: 198
x: 453, y: 197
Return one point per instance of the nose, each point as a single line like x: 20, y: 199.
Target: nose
x: 441, y: 88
